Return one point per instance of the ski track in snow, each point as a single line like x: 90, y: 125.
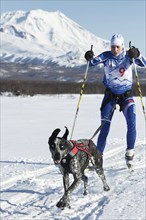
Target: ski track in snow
x: 31, y: 194
x: 30, y: 189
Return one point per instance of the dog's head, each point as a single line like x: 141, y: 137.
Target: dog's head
x: 58, y: 145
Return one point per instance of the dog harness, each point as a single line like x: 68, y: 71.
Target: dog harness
x: 76, y: 147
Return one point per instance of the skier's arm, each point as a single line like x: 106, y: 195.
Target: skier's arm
x: 141, y: 61
x: 101, y: 58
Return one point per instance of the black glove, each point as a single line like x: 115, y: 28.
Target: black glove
x: 89, y: 55
x: 133, y: 53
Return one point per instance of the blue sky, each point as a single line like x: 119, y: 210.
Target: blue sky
x: 102, y: 18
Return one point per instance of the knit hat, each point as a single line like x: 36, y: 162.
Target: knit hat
x: 117, y: 40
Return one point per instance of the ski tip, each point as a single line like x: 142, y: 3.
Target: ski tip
x: 90, y: 168
x: 130, y: 167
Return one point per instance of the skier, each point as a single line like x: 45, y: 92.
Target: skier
x: 118, y: 82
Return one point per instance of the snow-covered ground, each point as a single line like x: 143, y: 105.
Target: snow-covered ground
x: 30, y: 183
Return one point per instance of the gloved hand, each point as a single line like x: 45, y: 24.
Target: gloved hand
x: 133, y: 53
x: 89, y: 55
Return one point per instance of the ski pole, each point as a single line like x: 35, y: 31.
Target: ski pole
x: 80, y: 97
x: 138, y: 85
x: 139, y: 89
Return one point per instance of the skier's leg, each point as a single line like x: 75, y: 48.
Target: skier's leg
x: 130, y: 116
x: 106, y: 118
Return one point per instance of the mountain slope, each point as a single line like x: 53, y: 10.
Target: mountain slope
x: 45, y: 37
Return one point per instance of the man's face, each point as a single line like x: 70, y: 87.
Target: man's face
x: 116, y: 50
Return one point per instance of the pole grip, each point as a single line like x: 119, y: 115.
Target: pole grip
x: 91, y: 47
x: 130, y: 45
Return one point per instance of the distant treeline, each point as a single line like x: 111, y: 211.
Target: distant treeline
x: 55, y: 87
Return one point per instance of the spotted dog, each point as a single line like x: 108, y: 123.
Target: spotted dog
x: 73, y: 157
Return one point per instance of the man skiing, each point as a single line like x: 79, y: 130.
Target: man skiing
x: 118, y: 82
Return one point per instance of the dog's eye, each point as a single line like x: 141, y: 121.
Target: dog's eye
x: 52, y: 146
x: 61, y: 147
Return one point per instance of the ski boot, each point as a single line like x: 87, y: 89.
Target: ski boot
x: 129, y: 158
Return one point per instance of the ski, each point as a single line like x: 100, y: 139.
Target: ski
x: 130, y: 167
x: 90, y: 168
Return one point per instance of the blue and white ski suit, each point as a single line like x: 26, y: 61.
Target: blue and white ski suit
x: 118, y: 80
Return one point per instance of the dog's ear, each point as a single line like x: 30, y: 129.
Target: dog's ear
x: 66, y: 133
x: 54, y: 135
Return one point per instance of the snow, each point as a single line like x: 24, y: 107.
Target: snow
x: 51, y: 37
x: 31, y: 185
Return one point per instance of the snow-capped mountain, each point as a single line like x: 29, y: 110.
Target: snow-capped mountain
x: 39, y: 36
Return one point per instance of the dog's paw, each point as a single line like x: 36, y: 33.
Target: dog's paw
x: 106, y: 188
x: 63, y: 203
x: 85, y: 193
